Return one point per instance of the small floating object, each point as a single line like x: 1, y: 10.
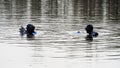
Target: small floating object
x: 78, y: 31
x: 34, y: 33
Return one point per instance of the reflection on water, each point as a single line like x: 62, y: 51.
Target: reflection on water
x: 57, y: 45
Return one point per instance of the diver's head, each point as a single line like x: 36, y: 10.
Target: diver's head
x: 89, y: 29
x: 30, y: 29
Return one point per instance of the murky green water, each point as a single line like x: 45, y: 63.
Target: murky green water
x: 57, y: 45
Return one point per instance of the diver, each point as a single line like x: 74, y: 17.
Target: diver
x: 29, y: 31
x: 91, y: 33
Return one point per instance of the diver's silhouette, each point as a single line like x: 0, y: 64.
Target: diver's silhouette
x: 29, y: 30
x: 89, y: 29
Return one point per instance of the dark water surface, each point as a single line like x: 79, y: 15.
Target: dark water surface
x: 57, y: 45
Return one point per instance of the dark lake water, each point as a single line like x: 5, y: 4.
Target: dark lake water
x: 57, y: 44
